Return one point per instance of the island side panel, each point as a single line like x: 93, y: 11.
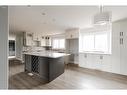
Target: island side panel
x: 28, y: 66
x: 44, y: 68
x: 56, y: 67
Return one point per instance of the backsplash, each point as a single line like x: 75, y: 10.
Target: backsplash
x: 33, y: 48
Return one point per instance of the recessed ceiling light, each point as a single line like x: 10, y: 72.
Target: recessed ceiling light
x: 3, y: 6
x: 53, y: 19
x: 43, y: 13
x: 29, y: 6
x: 44, y: 23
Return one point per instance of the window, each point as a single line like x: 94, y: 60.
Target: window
x: 101, y: 42
x: 96, y: 42
x: 11, y: 47
x: 58, y: 43
x: 88, y: 42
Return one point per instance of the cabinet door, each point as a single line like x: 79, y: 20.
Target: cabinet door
x: 83, y: 60
x: 89, y: 60
x: 36, y: 37
x: 115, y: 57
x: 75, y: 34
x: 94, y: 61
x: 76, y: 58
x: 123, y: 49
x: 68, y: 35
x: 39, y: 37
x: 43, y: 67
x: 43, y: 43
x: 106, y: 62
x: 72, y: 34
x: 71, y: 58
x: 48, y: 41
x: 29, y: 41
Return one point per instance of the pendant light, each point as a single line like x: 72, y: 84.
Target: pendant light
x: 102, y: 17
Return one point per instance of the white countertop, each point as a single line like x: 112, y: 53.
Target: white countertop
x: 49, y: 54
x: 95, y: 52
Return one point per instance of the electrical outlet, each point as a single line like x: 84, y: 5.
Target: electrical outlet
x: 101, y: 57
x: 85, y: 55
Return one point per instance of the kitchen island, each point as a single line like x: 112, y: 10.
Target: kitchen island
x: 47, y: 65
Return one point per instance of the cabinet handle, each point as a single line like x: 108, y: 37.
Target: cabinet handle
x: 85, y: 55
x: 101, y: 57
x: 121, y: 33
x: 122, y: 40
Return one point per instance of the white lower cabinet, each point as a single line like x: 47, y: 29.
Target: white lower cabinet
x: 76, y: 58
x: 117, y: 61
x: 90, y: 61
x: 95, y: 61
x: 109, y: 63
x: 82, y: 60
x: 106, y: 63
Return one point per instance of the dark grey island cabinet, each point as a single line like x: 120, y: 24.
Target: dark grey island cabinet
x: 47, y: 67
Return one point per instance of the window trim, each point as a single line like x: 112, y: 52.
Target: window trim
x: 58, y: 48
x: 95, y: 51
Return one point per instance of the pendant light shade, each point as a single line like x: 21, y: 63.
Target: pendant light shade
x: 102, y: 17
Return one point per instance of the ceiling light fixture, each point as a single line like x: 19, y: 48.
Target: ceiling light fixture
x: 53, y: 19
x: 3, y: 6
x: 29, y: 6
x: 102, y: 17
x: 43, y: 13
x: 44, y: 23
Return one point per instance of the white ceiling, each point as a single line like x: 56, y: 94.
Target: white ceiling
x: 56, y: 19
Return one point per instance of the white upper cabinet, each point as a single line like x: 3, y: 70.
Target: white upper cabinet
x: 45, y: 41
x: 72, y: 33
x: 27, y: 39
x: 48, y: 41
x: 36, y: 37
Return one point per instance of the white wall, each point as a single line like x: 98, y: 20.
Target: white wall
x: 3, y: 48
x: 19, y: 45
x: 117, y: 61
x: 12, y: 36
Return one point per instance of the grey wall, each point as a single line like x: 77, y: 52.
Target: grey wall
x: 3, y: 48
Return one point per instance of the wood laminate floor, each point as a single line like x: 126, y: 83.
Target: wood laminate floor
x: 73, y: 78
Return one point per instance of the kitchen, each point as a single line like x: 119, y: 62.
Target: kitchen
x: 87, y: 53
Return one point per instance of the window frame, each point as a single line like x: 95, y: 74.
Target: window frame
x: 94, y: 33
x: 58, y: 43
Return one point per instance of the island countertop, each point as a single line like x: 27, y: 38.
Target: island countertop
x: 49, y: 54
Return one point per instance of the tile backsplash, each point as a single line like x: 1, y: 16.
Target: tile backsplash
x: 33, y: 48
